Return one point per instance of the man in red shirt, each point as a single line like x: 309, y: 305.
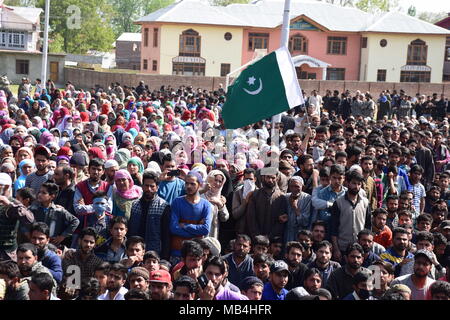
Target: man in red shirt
x: 382, y: 233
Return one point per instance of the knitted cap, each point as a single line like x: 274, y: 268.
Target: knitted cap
x: 139, y: 271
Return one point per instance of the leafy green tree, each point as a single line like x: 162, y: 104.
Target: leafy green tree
x: 226, y: 2
x: 153, y: 5
x: 432, y: 17
x: 77, y: 26
x: 375, y: 6
x: 125, y: 12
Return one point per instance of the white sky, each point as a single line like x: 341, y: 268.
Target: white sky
x: 427, y: 5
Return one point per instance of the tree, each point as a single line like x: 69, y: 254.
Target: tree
x: 125, y: 12
x: 153, y: 5
x: 376, y: 6
x: 20, y: 3
x: 432, y: 17
x: 342, y: 3
x: 412, y: 11
x: 77, y: 26
x: 226, y: 2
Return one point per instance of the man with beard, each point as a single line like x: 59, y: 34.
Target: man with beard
x: 299, y: 209
x: 323, y: 261
x: 240, y: 203
x: 432, y: 197
x: 191, y: 261
x: 418, y: 282
x: 64, y: 178
x: 149, y: 217
x: 340, y: 283
x: 293, y: 258
x: 318, y: 233
x: 216, y: 272
x: 239, y: 261
x: 424, y: 158
x: 365, y: 239
x: 263, y: 210
x: 160, y: 285
x: 308, y: 173
x: 117, y: 276
x: 369, y: 183
x: 40, y: 237
x: 84, y: 196
x: 111, y: 167
x: 42, y: 173
x: 392, y: 208
x: 350, y: 214
x: 16, y: 288
x: 279, y: 276
x: 27, y: 260
x: 190, y: 217
x: 83, y: 257
x: 398, y: 254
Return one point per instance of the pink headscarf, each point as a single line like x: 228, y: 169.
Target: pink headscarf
x: 133, y: 192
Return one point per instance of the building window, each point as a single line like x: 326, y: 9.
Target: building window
x: 337, y: 45
x: 155, y: 37
x: 188, y: 69
x: 298, y: 44
x: 417, y: 53
x: 364, y: 42
x: 447, y: 49
x: 228, y: 36
x: 146, y: 37
x: 145, y: 64
x: 22, y: 66
x: 415, y: 76
x: 383, y: 43
x: 381, y: 75
x: 312, y: 76
x: 12, y: 39
x: 154, y: 65
x: 336, y: 74
x: 190, y: 43
x: 225, y: 69
x: 258, y: 41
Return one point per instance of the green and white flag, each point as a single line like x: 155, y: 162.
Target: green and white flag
x: 265, y: 88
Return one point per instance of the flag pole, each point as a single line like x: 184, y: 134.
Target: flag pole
x: 284, y: 42
x: 45, y: 48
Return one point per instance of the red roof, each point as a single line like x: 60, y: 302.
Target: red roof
x: 444, y: 23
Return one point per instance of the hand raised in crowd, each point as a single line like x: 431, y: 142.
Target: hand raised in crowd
x: 208, y: 292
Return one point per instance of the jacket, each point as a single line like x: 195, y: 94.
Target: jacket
x: 60, y: 221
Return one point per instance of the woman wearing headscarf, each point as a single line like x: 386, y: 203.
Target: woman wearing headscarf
x: 122, y: 156
x: 34, y: 110
x: 215, y: 182
x: 96, y: 152
x: 136, y: 168
x: 119, y: 123
x: 124, y: 194
x: 26, y: 167
x: 16, y: 142
x: 141, y: 139
x: 24, y: 153
x: 46, y: 137
x: 103, y: 126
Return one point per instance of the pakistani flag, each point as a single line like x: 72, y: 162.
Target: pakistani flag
x: 265, y: 88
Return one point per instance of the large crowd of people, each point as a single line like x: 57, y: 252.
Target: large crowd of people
x: 138, y: 193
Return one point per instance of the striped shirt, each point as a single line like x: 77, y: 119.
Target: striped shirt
x: 419, y: 192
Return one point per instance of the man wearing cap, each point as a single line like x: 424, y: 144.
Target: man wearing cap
x: 444, y: 228
x: 42, y: 173
x: 138, y: 278
x: 78, y: 163
x: 160, y: 285
x: 12, y: 213
x: 111, y: 167
x: 418, y: 282
x: 278, y: 279
x: 252, y: 288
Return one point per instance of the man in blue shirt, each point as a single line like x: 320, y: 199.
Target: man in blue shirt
x: 171, y: 187
x: 278, y: 279
x: 190, y: 217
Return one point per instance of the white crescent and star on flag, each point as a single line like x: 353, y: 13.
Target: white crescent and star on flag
x: 251, y: 82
